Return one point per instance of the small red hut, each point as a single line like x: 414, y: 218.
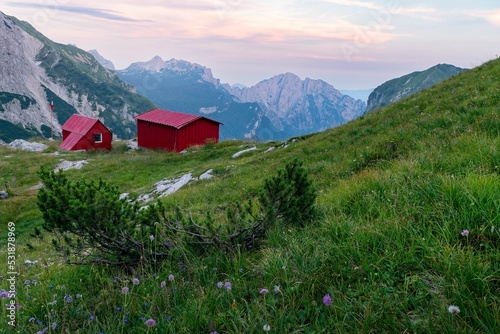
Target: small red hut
x: 85, y: 133
x: 174, y: 131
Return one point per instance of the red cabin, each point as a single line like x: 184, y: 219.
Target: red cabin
x: 85, y: 133
x: 174, y: 131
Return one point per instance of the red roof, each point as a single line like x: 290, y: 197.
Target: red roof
x: 71, y: 141
x: 79, y: 124
x: 171, y: 118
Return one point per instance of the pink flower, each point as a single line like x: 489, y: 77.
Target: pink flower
x: 150, y: 323
x: 135, y: 281
x: 171, y: 277
x: 264, y: 291
x: 162, y: 284
x: 125, y: 290
x: 465, y: 233
x: 327, y: 300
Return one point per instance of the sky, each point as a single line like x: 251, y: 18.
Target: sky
x: 356, y: 44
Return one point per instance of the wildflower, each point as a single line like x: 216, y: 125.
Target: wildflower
x: 91, y: 318
x: 146, y: 304
x: 54, y: 325
x: 241, y: 270
x: 31, y: 319
x: 43, y: 331
x: 34, y: 282
x: 118, y: 308
x: 214, y: 332
x: 171, y: 277
x: 276, y: 289
x: 267, y: 328
x: 78, y: 296
x: 68, y: 298
x: 125, y: 290
x: 54, y: 302
x: 4, y: 294
x: 151, y: 237
x: 262, y: 291
x: 228, y: 286
x: 125, y: 320
x: 465, y: 233
x: 135, y: 281
x: 27, y: 282
x: 168, y: 318
x: 162, y: 284
x: 220, y: 285
x: 150, y: 323
x: 453, y: 309
x: 51, y: 287
x: 283, y: 267
x: 327, y: 300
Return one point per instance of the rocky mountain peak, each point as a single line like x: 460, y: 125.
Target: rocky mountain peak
x: 103, y: 61
x: 36, y: 71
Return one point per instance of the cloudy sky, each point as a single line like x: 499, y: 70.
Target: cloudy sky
x: 352, y: 44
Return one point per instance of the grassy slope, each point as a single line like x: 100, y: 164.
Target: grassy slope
x: 396, y: 186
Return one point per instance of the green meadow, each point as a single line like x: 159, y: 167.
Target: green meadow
x: 408, y: 225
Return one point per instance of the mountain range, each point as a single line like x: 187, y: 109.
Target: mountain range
x: 276, y: 108
x: 37, y: 72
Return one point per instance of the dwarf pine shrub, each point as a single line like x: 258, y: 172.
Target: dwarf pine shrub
x: 289, y: 196
x: 90, y: 223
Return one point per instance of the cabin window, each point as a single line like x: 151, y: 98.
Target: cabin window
x: 98, y: 137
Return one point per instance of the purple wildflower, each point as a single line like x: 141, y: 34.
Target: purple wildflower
x: 276, y: 288
x: 27, y: 282
x: 91, y: 318
x: 54, y: 325
x: 263, y: 291
x: 227, y: 285
x: 220, y: 285
x: 151, y: 237
x: 125, y: 290
x: 327, y: 300
x: 31, y: 319
x: 135, y: 281
x: 162, y: 284
x: 465, y: 233
x: 171, y: 277
x: 150, y: 323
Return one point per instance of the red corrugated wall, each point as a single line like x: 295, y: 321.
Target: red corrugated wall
x: 156, y: 136
x: 88, y: 141
x: 197, y: 133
